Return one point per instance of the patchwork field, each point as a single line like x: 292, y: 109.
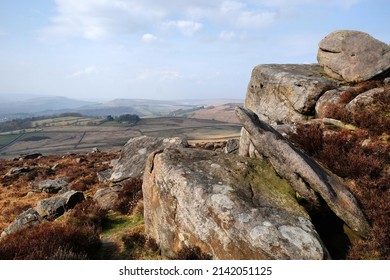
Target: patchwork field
x: 81, y: 134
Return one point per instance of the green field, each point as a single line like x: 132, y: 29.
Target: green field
x: 6, y: 139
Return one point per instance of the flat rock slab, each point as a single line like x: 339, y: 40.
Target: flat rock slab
x: 353, y: 56
x: 229, y: 206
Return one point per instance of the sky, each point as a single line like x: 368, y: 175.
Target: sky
x: 168, y: 49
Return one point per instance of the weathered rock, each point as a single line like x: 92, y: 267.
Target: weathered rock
x: 72, y: 198
x: 50, y: 185
x: 17, y: 171
x: 28, y: 218
x: 54, y: 207
x: 133, y: 157
x: 232, y: 146
x: 327, y: 100
x: 305, y: 175
x: 104, y: 175
x: 30, y: 156
x: 364, y: 99
x: 107, y: 197
x: 353, y: 56
x: 229, y: 206
x: 286, y: 93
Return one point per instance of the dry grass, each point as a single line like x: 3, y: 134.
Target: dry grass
x: 15, y: 192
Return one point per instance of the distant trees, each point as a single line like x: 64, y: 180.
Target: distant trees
x: 126, y: 118
x: 129, y: 118
x: 17, y: 124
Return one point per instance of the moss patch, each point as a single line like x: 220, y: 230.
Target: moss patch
x: 268, y: 189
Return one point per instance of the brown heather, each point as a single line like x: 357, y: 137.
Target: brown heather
x: 362, y: 158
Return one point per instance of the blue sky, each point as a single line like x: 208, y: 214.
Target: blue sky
x: 172, y: 49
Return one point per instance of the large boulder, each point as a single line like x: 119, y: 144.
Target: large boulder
x: 228, y: 206
x: 133, y: 157
x: 304, y: 174
x: 28, y: 218
x: 353, y: 56
x: 286, y: 93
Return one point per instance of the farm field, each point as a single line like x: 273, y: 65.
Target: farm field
x: 82, y: 134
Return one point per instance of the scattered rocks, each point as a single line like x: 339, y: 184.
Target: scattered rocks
x: 353, y: 56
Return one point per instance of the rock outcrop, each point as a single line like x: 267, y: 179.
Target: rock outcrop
x: 132, y: 160
x: 353, y: 56
x: 305, y: 175
x: 230, y: 207
x: 286, y: 93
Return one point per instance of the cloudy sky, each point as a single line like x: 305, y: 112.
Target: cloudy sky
x: 171, y: 49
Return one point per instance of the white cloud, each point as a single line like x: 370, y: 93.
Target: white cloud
x: 162, y: 75
x: 101, y: 19
x: 149, y: 38
x: 83, y: 72
x: 227, y: 35
x: 169, y: 75
x: 186, y: 27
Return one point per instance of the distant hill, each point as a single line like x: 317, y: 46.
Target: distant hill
x: 12, y: 108
x: 40, y: 104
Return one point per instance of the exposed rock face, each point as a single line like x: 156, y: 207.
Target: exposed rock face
x: 52, y: 208
x: 133, y: 157
x: 50, y: 185
x: 285, y: 93
x: 353, y: 56
x: 229, y: 206
x: 307, y: 177
x: 28, y: 218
